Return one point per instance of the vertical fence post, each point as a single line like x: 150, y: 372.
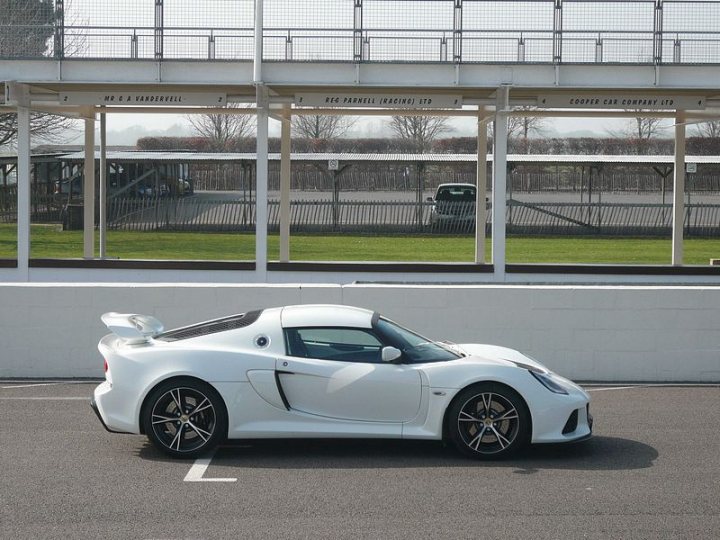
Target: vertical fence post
x: 134, y: 45
x: 211, y: 46
x: 159, y: 13
x: 59, y: 29
x: 457, y: 31
x: 658, y: 33
x: 557, y: 32
x: 598, y: 49
x: 357, y: 32
x: 521, y: 49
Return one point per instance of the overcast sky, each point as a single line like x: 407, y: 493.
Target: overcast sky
x: 125, y: 129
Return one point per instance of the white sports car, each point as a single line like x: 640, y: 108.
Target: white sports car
x: 326, y: 371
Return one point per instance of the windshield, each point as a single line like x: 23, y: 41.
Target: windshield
x: 416, y: 349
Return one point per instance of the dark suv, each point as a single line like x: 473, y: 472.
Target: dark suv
x: 454, y: 205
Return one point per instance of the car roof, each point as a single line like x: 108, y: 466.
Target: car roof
x: 456, y: 184
x: 325, y: 315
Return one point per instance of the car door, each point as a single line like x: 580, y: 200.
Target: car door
x: 337, y: 373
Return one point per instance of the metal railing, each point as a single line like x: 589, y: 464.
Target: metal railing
x: 386, y: 217
x: 443, y: 31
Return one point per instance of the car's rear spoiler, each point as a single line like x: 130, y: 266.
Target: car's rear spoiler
x: 132, y: 328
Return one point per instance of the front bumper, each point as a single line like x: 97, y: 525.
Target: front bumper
x: 559, y: 418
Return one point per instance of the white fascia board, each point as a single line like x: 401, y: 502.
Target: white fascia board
x: 367, y: 76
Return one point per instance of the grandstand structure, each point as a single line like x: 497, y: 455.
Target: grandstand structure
x: 480, y: 58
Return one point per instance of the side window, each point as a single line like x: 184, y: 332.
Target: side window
x: 343, y: 344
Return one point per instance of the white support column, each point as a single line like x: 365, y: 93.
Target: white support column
x: 89, y: 187
x: 103, y: 186
x: 257, y: 60
x: 285, y: 185
x: 481, y: 193
x: 23, y: 194
x: 499, y: 182
x: 261, y: 199
x: 678, y: 191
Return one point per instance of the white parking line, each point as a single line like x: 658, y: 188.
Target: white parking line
x: 21, y: 384
x: 18, y: 398
x: 611, y: 388
x: 196, y: 472
x: 31, y: 385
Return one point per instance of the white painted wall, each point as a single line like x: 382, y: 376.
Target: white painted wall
x: 106, y: 275
x: 590, y: 333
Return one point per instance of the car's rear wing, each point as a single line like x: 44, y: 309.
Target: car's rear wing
x: 132, y: 328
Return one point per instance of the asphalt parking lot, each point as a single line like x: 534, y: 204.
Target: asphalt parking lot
x: 651, y: 471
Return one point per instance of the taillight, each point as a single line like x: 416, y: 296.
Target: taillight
x: 105, y: 366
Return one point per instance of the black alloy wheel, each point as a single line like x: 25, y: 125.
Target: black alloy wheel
x: 488, y: 421
x: 185, y: 418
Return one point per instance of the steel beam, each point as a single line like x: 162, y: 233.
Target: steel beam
x: 481, y: 191
x: 261, y: 175
x: 258, y: 56
x: 103, y: 186
x: 89, y: 191
x: 285, y: 137
x: 678, y: 191
x: 23, y: 193
x: 499, y: 183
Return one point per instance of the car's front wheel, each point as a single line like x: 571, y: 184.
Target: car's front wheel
x: 488, y: 420
x: 184, y: 418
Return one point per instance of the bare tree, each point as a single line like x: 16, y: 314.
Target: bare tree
x: 47, y: 127
x: 643, y: 128
x: 221, y: 130
x: 639, y: 130
x: 27, y: 27
x: 522, y: 126
x: 708, y: 129
x: 420, y: 130
x: 322, y: 126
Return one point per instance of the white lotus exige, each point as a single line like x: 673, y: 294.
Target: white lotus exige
x: 326, y: 371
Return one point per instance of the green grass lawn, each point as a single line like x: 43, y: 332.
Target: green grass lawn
x: 49, y: 241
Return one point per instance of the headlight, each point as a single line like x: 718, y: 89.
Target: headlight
x: 546, y: 380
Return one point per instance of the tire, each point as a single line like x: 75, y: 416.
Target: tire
x: 184, y: 418
x: 488, y: 421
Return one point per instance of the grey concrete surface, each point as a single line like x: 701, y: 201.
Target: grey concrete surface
x: 651, y: 471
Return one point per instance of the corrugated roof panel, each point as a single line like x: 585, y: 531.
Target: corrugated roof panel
x: 185, y: 157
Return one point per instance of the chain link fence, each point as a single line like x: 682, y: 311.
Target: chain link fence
x: 459, y: 31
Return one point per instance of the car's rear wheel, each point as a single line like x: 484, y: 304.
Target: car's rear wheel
x: 488, y: 421
x: 184, y: 418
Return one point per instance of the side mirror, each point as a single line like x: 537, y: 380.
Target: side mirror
x: 390, y: 354
x: 430, y: 199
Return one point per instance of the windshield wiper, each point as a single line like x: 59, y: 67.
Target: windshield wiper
x: 452, y: 347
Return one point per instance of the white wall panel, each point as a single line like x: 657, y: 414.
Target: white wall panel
x: 591, y: 333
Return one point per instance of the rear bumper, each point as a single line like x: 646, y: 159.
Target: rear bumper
x: 94, y: 407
